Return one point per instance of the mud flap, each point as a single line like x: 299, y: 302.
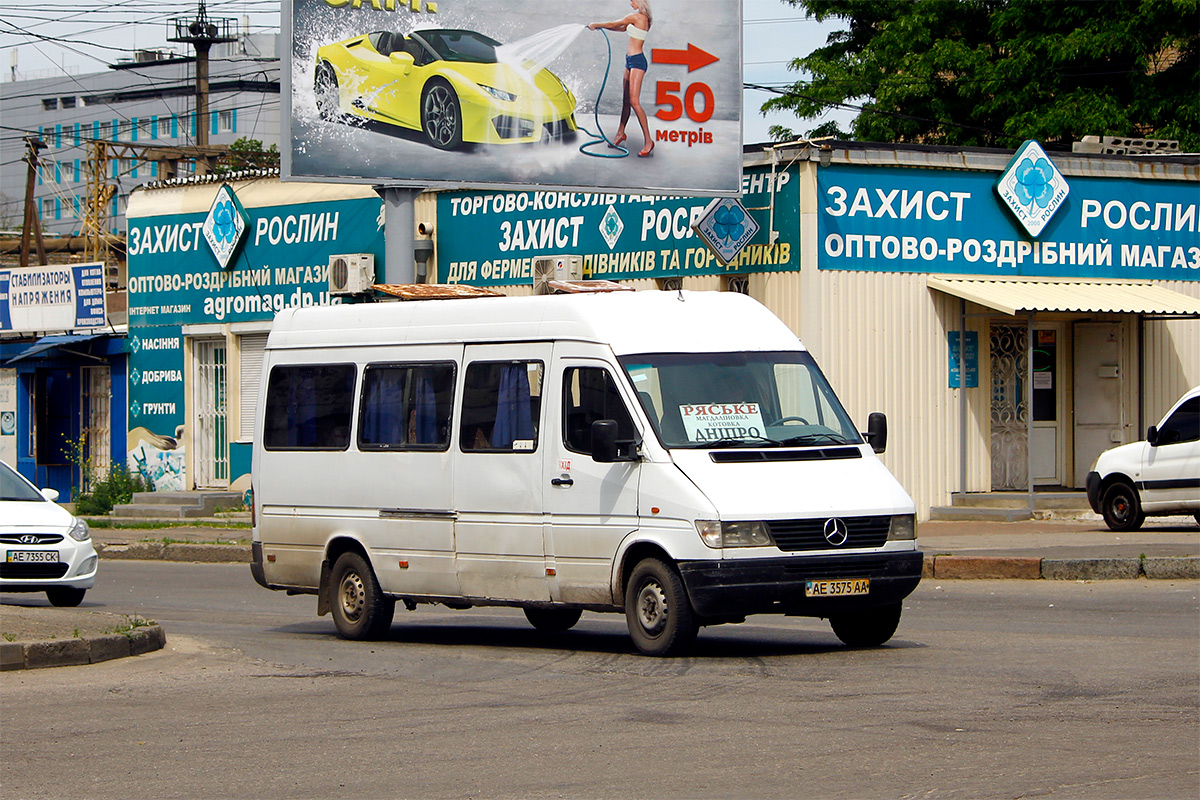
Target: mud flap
x: 323, y: 589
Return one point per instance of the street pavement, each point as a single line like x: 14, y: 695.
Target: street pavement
x: 1080, y: 549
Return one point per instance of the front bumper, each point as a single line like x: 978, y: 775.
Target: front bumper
x: 730, y: 588
x: 1093, y: 491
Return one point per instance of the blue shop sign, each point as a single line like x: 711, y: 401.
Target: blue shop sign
x: 891, y: 219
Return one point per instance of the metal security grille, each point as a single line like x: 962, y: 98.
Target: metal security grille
x: 1010, y: 420
x: 809, y: 534
x: 211, y: 439
x: 97, y: 419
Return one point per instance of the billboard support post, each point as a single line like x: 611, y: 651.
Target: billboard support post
x: 399, y: 223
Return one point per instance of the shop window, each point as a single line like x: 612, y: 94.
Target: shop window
x: 406, y: 407
x: 309, y: 407
x: 501, y: 406
x: 737, y: 283
x: 670, y: 284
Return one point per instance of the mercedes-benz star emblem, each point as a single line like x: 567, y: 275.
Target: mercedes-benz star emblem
x: 836, y: 531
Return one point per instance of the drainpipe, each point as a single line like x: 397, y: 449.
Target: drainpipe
x: 1029, y: 407
x: 962, y: 396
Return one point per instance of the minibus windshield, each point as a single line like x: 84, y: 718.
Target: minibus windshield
x: 745, y: 399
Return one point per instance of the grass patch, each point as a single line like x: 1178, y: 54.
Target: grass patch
x: 131, y: 625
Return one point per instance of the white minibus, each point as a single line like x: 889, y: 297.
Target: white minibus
x: 675, y: 456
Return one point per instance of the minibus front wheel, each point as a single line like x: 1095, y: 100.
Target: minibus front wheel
x: 868, y: 627
x: 660, y: 616
x: 360, y: 609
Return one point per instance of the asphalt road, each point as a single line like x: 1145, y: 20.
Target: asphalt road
x: 990, y: 689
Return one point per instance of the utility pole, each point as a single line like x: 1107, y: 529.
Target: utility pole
x: 33, y: 223
x: 202, y: 32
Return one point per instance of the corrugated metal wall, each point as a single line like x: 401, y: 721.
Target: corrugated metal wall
x: 1171, y: 353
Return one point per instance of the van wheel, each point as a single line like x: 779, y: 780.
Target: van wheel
x: 1121, y: 509
x: 869, y: 627
x: 553, y: 620
x: 65, y: 596
x: 360, y: 610
x: 658, y: 611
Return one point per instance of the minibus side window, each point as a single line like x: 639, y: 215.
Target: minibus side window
x: 501, y: 406
x: 406, y: 407
x: 590, y: 394
x: 309, y: 407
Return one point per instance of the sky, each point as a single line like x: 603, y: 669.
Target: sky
x: 83, y: 39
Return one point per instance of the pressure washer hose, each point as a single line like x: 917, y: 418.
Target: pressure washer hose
x: 601, y: 138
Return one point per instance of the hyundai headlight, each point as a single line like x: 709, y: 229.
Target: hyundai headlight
x: 903, y: 528
x: 498, y: 93
x: 79, y: 531
x: 733, y: 534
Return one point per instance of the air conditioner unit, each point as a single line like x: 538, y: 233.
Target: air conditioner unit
x: 555, y: 268
x: 353, y: 273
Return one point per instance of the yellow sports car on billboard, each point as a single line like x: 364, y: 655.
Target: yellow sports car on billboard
x: 449, y: 84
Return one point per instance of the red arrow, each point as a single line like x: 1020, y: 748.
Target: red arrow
x: 693, y: 57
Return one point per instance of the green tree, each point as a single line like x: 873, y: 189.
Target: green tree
x: 993, y: 73
x: 247, y: 153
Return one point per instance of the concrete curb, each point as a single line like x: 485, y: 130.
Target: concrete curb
x: 84, y: 650
x: 177, y: 551
x: 949, y: 567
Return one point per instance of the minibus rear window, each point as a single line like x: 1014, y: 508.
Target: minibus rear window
x: 309, y: 407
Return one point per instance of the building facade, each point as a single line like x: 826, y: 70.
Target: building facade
x: 995, y: 353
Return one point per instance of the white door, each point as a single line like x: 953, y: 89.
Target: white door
x: 1098, y: 376
x: 210, y: 438
x: 498, y: 480
x: 591, y: 507
x: 1047, y: 406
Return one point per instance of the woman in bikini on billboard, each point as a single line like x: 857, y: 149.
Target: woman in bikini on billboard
x: 637, y: 25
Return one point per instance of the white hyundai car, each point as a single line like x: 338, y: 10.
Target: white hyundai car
x: 1153, y: 478
x: 44, y: 548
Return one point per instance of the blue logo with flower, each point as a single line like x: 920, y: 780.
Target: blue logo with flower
x: 729, y: 223
x: 1032, y: 187
x: 1035, y: 182
x: 225, y: 226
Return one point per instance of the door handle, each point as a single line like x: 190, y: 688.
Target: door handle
x: 562, y: 481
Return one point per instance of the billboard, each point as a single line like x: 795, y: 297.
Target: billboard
x: 476, y: 94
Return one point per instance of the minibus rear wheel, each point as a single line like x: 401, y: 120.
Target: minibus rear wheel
x: 658, y: 611
x: 869, y: 627
x: 552, y: 620
x: 360, y: 609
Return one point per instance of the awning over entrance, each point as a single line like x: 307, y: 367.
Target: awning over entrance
x: 50, y: 342
x: 1014, y: 296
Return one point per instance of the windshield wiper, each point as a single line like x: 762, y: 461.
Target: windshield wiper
x: 812, y: 438
x: 739, y: 441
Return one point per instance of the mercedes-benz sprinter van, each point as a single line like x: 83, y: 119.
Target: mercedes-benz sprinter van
x: 676, y: 456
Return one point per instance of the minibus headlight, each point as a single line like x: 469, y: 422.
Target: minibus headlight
x: 733, y: 534
x: 710, y: 532
x: 903, y: 528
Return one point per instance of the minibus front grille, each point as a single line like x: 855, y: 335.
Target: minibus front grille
x: 811, y: 454
x: 809, y: 534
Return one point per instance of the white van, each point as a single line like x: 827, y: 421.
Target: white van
x: 677, y: 456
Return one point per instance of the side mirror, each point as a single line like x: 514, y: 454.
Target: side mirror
x: 877, y: 431
x: 402, y: 59
x: 1152, y: 435
x: 50, y: 494
x: 604, y: 441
